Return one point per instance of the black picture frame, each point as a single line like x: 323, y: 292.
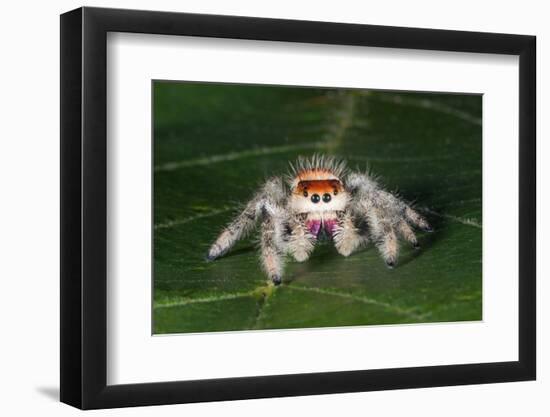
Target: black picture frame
x: 84, y: 207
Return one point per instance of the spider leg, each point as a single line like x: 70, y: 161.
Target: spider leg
x: 387, y: 215
x: 347, y: 237
x: 271, y: 195
x: 417, y: 220
x: 383, y: 231
x: 272, y: 247
x: 301, y: 242
x: 407, y: 233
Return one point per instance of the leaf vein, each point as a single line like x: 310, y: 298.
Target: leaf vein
x: 232, y: 156
x: 173, y: 223
x: 210, y: 299
x: 367, y: 300
x: 463, y: 220
x: 432, y: 105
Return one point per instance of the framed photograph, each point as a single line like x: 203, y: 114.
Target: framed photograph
x: 257, y: 208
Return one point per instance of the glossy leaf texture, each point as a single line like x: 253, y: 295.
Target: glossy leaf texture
x: 214, y: 144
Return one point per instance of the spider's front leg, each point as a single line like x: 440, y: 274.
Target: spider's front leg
x: 301, y: 242
x: 347, y: 237
x: 271, y: 195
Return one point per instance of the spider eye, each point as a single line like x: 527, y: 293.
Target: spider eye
x: 315, y: 198
x: 327, y: 197
x: 305, y: 193
x: 335, y: 191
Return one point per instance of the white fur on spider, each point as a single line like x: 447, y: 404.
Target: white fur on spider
x: 323, y: 198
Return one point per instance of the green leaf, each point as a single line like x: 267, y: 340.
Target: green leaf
x: 213, y: 146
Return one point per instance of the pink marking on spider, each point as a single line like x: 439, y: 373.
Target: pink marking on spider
x: 330, y: 225
x: 314, y: 226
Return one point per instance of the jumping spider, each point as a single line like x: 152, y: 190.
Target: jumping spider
x: 321, y: 197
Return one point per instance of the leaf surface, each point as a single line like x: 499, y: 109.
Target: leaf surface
x: 214, y: 145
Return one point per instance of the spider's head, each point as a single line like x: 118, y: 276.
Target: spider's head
x: 316, y: 186
x: 318, y: 195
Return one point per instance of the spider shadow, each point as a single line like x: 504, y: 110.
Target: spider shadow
x: 324, y: 253
x: 425, y: 239
x: 423, y: 194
